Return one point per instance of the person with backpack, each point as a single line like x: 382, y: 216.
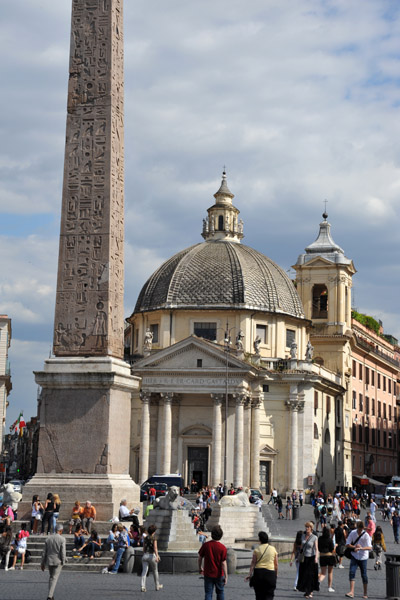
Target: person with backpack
x: 360, y: 544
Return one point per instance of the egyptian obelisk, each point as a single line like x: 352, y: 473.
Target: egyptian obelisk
x: 85, y: 403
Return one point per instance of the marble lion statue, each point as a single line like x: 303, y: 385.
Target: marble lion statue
x: 10, y: 497
x: 170, y: 501
x: 240, y: 499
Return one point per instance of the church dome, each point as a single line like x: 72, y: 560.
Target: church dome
x: 220, y: 274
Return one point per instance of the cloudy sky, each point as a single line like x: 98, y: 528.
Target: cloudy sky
x: 299, y: 99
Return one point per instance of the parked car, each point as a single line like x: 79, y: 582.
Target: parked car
x: 17, y: 485
x: 161, y: 490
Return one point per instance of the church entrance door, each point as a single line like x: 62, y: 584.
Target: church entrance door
x: 198, y: 465
x: 265, y: 476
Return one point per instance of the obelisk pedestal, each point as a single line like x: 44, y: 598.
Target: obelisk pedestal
x: 85, y: 403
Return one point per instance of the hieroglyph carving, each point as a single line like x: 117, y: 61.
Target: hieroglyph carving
x: 89, y: 303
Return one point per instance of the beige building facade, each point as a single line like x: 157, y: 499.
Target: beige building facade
x: 231, y: 390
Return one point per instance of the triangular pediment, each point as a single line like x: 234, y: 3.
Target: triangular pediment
x: 268, y: 451
x: 320, y: 261
x: 191, y: 354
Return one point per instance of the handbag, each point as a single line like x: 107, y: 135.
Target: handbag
x: 348, y: 551
x: 371, y: 554
x: 252, y: 578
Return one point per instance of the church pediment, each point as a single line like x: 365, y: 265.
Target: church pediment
x: 191, y: 354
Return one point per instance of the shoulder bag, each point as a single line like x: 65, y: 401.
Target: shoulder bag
x: 348, y: 551
x: 252, y: 578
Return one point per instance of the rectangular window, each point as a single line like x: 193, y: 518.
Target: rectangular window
x: 261, y: 332
x: 360, y: 398
x: 354, y: 368
x: 390, y: 412
x: 366, y: 435
x: 384, y: 439
x: 360, y: 371
x: 395, y: 414
x: 367, y: 375
x: 379, y: 437
x: 379, y: 409
x: 136, y: 338
x: 390, y: 386
x: 354, y: 400
x: 360, y: 434
x: 373, y: 437
x: 373, y: 407
x: 315, y: 402
x: 290, y: 337
x: 154, y: 331
x: 367, y: 405
x: 373, y: 378
x: 379, y: 381
x: 390, y: 439
x: 384, y: 383
x: 208, y: 331
x: 384, y: 410
x: 265, y: 388
x: 328, y: 405
x: 199, y: 363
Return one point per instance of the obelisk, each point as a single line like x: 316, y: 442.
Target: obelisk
x: 85, y: 403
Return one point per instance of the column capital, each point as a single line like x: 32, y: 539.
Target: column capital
x: 145, y: 396
x: 240, y: 399
x: 167, y: 397
x: 218, y: 398
x: 294, y: 405
x: 255, y: 401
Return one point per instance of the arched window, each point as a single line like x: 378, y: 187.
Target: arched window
x: 319, y: 302
x: 315, y: 431
x: 319, y: 361
x: 327, y: 439
x: 220, y: 223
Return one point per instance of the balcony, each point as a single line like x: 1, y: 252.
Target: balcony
x: 370, y: 347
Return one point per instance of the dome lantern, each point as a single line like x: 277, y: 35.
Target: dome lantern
x: 222, y: 222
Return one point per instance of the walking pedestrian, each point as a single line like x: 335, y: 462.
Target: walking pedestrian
x: 212, y: 564
x: 5, y: 546
x: 150, y: 558
x: 295, y: 556
x: 308, y: 558
x: 360, y: 544
x: 395, y: 523
x: 378, y: 546
x: 264, y: 569
x: 54, y: 557
x: 327, y: 558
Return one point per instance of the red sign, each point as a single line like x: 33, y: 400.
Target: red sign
x: 2, y: 468
x: 364, y: 481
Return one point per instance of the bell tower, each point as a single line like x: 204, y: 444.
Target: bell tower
x: 324, y: 281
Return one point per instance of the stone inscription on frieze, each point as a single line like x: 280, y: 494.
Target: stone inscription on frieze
x: 89, y: 303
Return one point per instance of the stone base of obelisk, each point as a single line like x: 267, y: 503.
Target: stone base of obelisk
x: 84, y: 438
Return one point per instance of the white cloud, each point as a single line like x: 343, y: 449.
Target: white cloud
x: 299, y: 99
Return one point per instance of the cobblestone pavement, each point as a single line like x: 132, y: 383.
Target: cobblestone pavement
x: 32, y: 585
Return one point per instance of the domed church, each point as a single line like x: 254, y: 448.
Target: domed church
x: 243, y: 371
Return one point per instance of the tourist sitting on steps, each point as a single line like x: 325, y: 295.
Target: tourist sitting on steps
x: 88, y: 516
x: 128, y: 515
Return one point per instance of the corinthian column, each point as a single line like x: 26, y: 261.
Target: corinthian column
x: 145, y: 437
x: 216, y: 440
x: 255, y: 444
x: 294, y: 406
x: 167, y: 430
x: 238, y: 457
